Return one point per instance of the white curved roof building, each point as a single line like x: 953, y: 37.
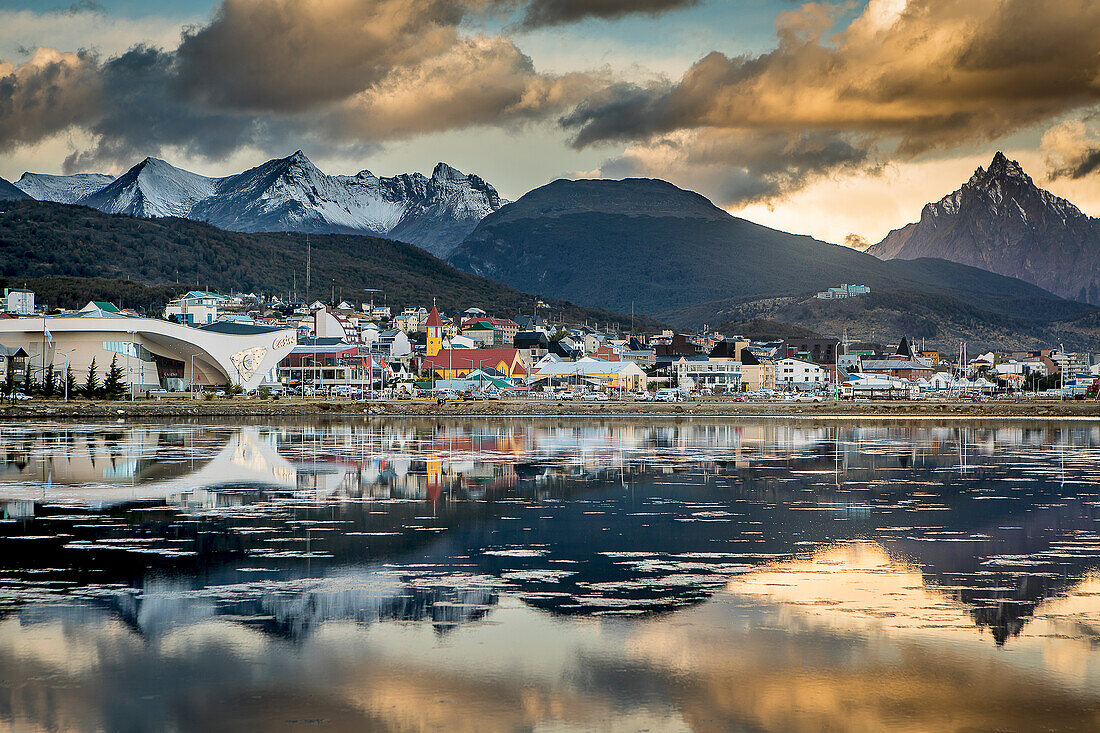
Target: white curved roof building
x: 152, y: 353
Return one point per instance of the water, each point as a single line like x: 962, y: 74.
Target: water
x: 550, y: 576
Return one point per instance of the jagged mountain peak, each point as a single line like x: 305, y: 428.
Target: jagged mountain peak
x: 1001, y: 169
x: 443, y: 171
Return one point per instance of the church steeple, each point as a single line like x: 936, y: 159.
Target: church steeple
x: 434, y: 341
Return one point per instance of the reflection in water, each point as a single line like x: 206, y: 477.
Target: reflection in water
x: 565, y: 575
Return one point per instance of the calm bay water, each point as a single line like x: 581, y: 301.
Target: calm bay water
x: 550, y: 576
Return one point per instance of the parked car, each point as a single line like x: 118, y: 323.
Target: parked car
x: 669, y: 395
x: 565, y: 395
x: 595, y: 397
x: 738, y: 398
x: 643, y: 396
x: 20, y: 396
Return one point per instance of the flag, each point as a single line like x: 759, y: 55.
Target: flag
x: 49, y: 336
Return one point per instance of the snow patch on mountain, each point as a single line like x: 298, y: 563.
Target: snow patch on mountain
x: 62, y: 189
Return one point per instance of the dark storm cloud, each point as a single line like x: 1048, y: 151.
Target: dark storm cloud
x: 540, y: 13
x: 47, y: 94
x: 1087, y: 162
x: 144, y: 115
x: 740, y: 167
x: 291, y: 55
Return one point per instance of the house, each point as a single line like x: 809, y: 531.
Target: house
x: 757, y: 374
x: 819, y: 351
x: 507, y: 328
x: 484, y: 334
x: 13, y: 360
x: 902, y: 364
x: 99, y: 306
x: 411, y: 320
x: 722, y: 374
x: 638, y: 352
x: 799, y: 374
x: 532, y: 345
x: 456, y: 363
x: 530, y: 323
x: 328, y: 361
x: 391, y: 343
x: 195, y: 308
x: 18, y: 301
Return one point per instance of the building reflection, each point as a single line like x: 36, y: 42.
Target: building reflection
x: 286, y: 528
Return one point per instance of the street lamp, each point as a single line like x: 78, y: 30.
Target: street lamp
x: 65, y: 356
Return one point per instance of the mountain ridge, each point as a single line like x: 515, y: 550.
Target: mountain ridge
x: 287, y: 194
x: 682, y: 259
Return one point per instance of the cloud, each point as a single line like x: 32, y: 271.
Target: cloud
x: 47, y: 94
x: 902, y: 78
x: 478, y: 81
x: 539, y: 13
x: 1072, y: 149
x: 139, y: 113
x: 742, y: 166
x: 291, y: 55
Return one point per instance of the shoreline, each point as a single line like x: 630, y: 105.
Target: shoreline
x: 917, y: 409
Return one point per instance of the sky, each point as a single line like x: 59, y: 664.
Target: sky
x: 834, y: 119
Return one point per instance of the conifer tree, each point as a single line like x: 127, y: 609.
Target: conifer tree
x: 49, y: 382
x: 112, y: 383
x: 70, y: 381
x: 91, y: 384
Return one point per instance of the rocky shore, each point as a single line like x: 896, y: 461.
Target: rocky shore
x: 154, y: 409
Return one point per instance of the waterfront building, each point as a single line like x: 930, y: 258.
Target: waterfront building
x: 152, y: 353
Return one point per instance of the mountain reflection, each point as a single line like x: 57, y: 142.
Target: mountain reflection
x: 284, y: 529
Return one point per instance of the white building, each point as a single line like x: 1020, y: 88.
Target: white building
x: 196, y: 308
x: 152, y: 353
x: 797, y: 374
x: 18, y: 301
x: 411, y: 320
x: 724, y: 374
x: 391, y: 344
x: 844, y: 291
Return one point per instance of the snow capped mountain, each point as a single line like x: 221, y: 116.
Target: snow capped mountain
x: 1001, y: 221
x: 62, y: 189
x: 152, y: 188
x: 289, y: 194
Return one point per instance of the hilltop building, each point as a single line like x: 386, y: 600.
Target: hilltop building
x: 844, y: 291
x: 19, y: 301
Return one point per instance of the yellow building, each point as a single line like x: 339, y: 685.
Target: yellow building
x: 434, y: 341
